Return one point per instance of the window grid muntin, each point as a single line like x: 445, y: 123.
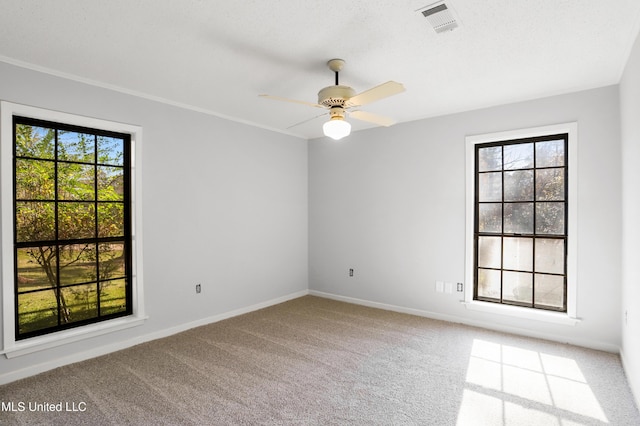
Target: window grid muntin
x: 534, y: 235
x: 57, y: 242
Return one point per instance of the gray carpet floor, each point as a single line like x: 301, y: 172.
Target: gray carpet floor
x: 313, y: 361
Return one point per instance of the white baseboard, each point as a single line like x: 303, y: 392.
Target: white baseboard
x: 226, y: 315
x: 591, y: 344
x: 32, y: 370
x: 385, y: 306
x: 106, y: 349
x: 634, y: 391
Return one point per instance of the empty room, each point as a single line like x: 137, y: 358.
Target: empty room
x: 320, y: 213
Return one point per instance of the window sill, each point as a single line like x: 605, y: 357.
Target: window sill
x: 40, y: 343
x: 520, y: 312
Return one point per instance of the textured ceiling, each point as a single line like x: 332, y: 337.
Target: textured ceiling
x: 218, y: 56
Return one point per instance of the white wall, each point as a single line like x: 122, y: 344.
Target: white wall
x: 390, y: 203
x: 630, y: 124
x: 224, y: 204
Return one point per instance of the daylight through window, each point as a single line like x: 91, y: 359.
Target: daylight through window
x: 72, y: 236
x: 520, y: 229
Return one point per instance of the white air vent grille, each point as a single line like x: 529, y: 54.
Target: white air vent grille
x: 440, y: 17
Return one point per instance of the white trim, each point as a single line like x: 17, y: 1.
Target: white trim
x: 528, y: 332
x: 572, y: 226
x: 103, y: 350
x: 625, y: 367
x: 53, y: 340
x: 225, y: 315
x: 143, y: 95
x: 11, y: 347
x: 520, y: 312
x: 386, y: 306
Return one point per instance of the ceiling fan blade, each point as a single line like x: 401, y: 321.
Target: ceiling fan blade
x: 278, y: 98
x: 372, y: 118
x: 307, y: 120
x: 382, y: 91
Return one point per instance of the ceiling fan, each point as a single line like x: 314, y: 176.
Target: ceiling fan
x: 339, y: 99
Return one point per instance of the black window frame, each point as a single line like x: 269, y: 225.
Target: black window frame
x: 126, y: 239
x: 533, y: 235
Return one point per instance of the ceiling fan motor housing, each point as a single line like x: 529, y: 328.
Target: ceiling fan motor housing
x: 337, y: 95
x: 336, y: 112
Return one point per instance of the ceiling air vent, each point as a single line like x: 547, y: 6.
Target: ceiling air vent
x: 440, y: 17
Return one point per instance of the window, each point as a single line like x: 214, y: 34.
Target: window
x: 72, y: 226
x: 521, y: 222
x: 72, y: 242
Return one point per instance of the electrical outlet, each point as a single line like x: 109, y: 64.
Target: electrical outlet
x: 198, y: 288
x: 459, y: 287
x: 351, y: 272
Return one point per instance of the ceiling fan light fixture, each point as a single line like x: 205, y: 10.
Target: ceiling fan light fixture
x: 336, y: 128
x: 338, y: 99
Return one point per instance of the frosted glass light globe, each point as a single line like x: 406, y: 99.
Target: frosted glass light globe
x: 336, y: 128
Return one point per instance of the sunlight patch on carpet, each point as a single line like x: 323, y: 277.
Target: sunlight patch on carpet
x: 507, y: 385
